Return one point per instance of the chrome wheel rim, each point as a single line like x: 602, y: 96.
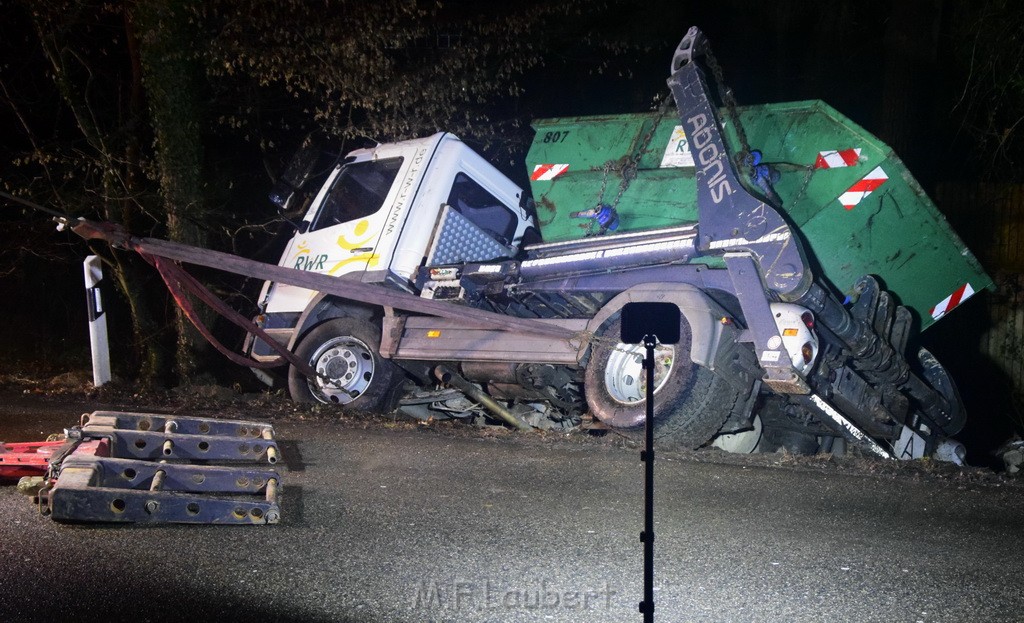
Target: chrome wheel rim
x: 344, y: 367
x: 625, y: 378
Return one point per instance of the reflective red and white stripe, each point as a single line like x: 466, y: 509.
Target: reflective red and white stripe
x: 856, y: 193
x: 834, y: 159
x: 548, y: 171
x: 962, y: 293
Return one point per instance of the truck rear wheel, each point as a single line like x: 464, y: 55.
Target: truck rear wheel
x: 939, y: 379
x: 351, y: 372
x: 690, y: 401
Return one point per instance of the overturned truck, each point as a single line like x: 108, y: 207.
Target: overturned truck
x: 802, y: 255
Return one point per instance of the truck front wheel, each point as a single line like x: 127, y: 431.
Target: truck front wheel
x: 690, y: 401
x: 350, y: 371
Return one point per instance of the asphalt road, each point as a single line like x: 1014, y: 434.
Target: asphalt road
x: 415, y: 525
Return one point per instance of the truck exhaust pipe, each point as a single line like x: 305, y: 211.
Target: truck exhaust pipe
x: 450, y: 377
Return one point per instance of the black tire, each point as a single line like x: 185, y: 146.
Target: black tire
x: 691, y: 403
x: 939, y: 379
x: 346, y: 349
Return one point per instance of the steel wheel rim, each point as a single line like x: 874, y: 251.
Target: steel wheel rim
x: 625, y: 379
x: 344, y: 367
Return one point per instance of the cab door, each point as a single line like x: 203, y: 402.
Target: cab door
x: 345, y: 227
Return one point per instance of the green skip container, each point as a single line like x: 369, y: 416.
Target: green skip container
x: 857, y: 207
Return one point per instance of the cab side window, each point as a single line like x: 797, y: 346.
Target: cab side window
x: 358, y: 191
x: 482, y: 209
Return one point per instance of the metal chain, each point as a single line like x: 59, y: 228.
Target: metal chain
x: 629, y: 168
x: 809, y: 171
x: 604, y: 182
x: 629, y: 171
x: 729, y: 100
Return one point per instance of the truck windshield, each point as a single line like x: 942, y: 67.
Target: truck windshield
x: 357, y: 192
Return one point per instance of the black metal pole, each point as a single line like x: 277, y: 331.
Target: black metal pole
x: 647, y: 456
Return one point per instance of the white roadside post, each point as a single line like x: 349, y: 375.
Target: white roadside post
x: 97, y: 321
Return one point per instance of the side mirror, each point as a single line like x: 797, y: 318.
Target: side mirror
x: 295, y: 175
x: 281, y: 195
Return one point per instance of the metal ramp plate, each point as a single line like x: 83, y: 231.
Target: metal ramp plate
x: 155, y: 468
x: 126, y: 490
x: 151, y: 436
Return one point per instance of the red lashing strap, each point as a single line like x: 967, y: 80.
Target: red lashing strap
x: 178, y: 280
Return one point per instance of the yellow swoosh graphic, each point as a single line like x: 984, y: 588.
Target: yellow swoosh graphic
x: 371, y: 259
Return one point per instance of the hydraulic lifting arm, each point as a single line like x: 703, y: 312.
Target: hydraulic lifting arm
x: 738, y: 223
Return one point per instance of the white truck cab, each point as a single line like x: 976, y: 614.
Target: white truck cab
x: 386, y: 211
